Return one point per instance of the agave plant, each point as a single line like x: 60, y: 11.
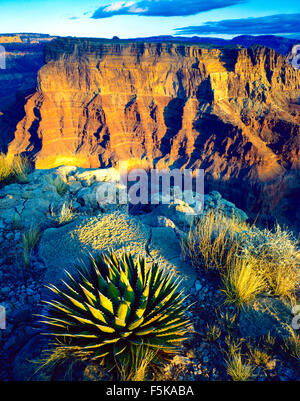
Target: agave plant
x: 114, y: 305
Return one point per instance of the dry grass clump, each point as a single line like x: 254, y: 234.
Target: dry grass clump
x: 259, y: 357
x: 59, y: 183
x: 275, y: 255
x: 13, y: 169
x: 137, y: 370
x: 269, y: 343
x: 30, y: 240
x: 237, y: 368
x: 213, y: 333
x: 291, y: 344
x: 215, y: 241
x: 241, y: 283
x: 60, y: 356
x: 228, y: 320
x: 65, y: 215
x: 271, y: 256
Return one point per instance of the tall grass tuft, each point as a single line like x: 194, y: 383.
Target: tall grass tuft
x: 215, y: 241
x: 60, y: 184
x: 275, y: 255
x: 136, y: 367
x: 272, y: 256
x: 292, y: 344
x: 13, y: 169
x: 213, y: 333
x: 241, y: 283
x: 30, y: 240
x: 259, y: 357
x: 65, y: 215
x: 237, y: 369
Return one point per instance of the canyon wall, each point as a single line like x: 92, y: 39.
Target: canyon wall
x: 233, y: 112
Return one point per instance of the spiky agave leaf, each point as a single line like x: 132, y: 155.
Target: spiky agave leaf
x: 114, y: 304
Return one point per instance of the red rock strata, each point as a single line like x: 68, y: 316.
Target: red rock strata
x: 233, y: 112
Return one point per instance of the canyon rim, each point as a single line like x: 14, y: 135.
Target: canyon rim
x: 232, y: 112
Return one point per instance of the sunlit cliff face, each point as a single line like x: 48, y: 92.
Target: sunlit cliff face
x: 230, y: 111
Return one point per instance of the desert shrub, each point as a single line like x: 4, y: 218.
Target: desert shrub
x: 141, y: 358
x: 268, y: 343
x: 21, y: 168
x: 259, y: 357
x: 291, y: 344
x: 30, y: 240
x: 59, y: 183
x: 228, y: 320
x: 234, y: 345
x: 16, y: 223
x: 237, y: 369
x: 241, y: 283
x: 217, y: 241
x: 112, y: 306
x: 65, y: 215
x: 214, y: 241
x: 274, y: 253
x: 213, y: 333
x: 13, y: 169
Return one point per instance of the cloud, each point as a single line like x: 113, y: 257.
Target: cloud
x: 272, y: 24
x: 161, y: 8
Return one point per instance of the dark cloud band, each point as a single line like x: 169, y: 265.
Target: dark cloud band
x: 161, y: 8
x: 272, y: 24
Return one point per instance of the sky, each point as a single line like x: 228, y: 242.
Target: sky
x: 142, y: 18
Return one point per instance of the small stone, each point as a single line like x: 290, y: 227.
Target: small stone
x: 23, y: 298
x: 5, y: 290
x: 36, y: 298
x: 30, y: 291
x: 198, y: 285
x: 17, y: 236
x: 75, y: 186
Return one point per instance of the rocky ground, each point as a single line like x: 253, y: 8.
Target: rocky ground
x: 61, y: 205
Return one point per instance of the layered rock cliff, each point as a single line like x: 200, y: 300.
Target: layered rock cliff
x: 233, y: 112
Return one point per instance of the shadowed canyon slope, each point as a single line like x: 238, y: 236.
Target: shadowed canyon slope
x: 23, y: 59
x: 233, y: 112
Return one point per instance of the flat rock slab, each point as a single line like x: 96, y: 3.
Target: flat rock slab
x: 266, y: 315
x: 61, y: 248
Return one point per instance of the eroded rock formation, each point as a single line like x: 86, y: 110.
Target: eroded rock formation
x: 233, y: 112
